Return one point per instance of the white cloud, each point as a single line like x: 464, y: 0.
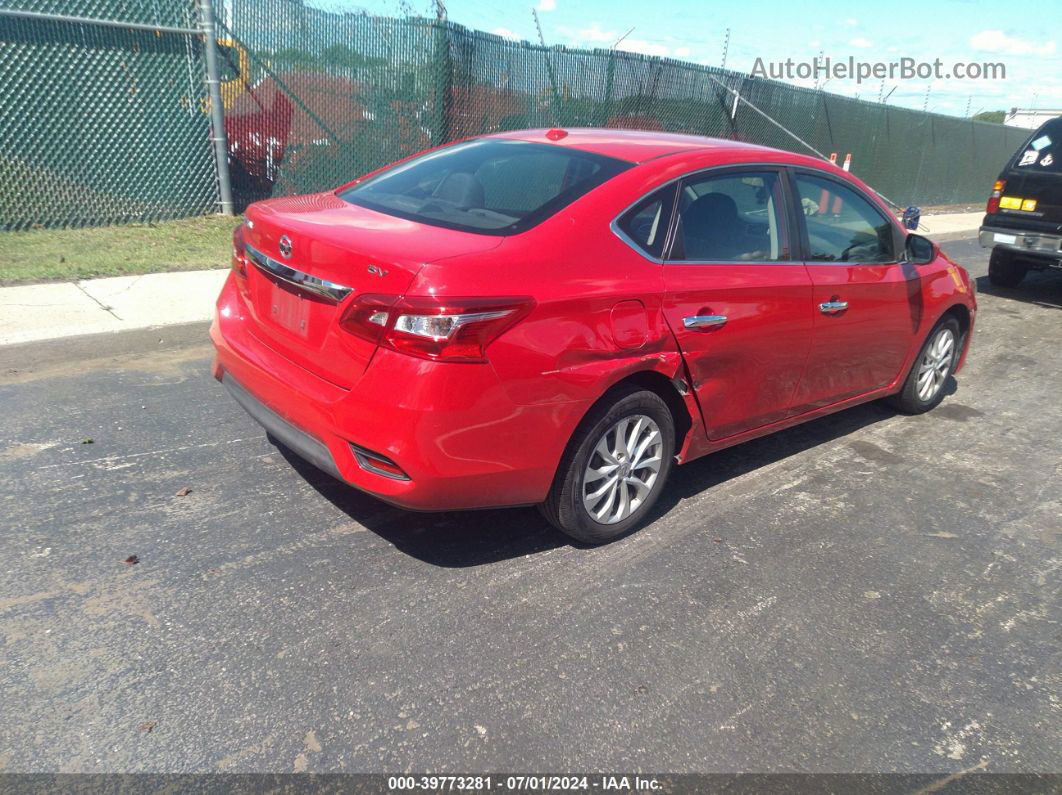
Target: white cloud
x: 600, y: 37
x: 644, y: 47
x: 998, y: 41
x: 505, y: 33
x: 546, y: 5
x: 852, y: 23
x: 595, y: 34
x: 860, y: 42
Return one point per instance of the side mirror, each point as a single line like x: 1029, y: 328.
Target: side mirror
x: 920, y: 250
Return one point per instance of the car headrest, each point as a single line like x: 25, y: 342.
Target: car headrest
x: 462, y: 189
x: 710, y: 211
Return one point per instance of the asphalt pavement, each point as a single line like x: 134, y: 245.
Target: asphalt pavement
x: 868, y: 592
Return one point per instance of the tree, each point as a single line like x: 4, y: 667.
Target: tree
x: 996, y: 116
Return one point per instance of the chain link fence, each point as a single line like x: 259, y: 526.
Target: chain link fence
x: 102, y: 124
x: 329, y: 96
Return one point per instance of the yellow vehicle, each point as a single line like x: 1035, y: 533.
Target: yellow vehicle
x: 234, y: 70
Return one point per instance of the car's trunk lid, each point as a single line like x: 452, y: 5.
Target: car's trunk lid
x: 311, y: 256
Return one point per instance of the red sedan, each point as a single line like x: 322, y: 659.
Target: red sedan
x: 556, y: 318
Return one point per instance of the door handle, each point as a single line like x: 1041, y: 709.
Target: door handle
x: 698, y: 322
x: 833, y: 307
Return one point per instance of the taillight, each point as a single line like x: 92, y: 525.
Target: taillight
x: 239, y: 252
x: 442, y: 329
x: 997, y: 192
x: 368, y: 316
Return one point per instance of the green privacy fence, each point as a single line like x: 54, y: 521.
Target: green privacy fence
x: 342, y: 93
x: 102, y: 125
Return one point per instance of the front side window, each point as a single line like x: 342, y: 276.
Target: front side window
x: 842, y: 225
x: 731, y: 217
x: 486, y: 186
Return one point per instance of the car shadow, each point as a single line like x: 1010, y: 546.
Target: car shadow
x: 1041, y: 288
x: 473, y: 538
x: 452, y: 540
x: 717, y: 468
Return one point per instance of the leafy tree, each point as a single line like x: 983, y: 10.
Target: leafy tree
x: 996, y: 116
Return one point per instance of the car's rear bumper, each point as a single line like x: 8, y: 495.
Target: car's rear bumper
x: 1037, y: 244
x: 452, y: 428
x: 295, y: 439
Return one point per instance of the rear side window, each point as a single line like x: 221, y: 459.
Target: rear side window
x: 645, y: 225
x: 731, y: 217
x: 842, y: 225
x: 489, y: 187
x: 1043, y: 152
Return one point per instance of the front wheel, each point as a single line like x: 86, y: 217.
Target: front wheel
x: 614, y: 468
x: 924, y: 387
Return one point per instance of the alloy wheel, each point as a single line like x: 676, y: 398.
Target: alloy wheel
x: 623, y: 469
x: 936, y: 364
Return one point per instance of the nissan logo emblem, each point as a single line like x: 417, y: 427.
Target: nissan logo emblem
x: 284, y: 246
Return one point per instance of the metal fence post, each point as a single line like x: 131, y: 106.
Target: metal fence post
x: 217, y: 111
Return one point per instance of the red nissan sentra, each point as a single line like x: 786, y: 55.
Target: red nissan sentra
x: 556, y: 318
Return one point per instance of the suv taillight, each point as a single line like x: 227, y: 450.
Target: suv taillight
x: 997, y: 192
x: 442, y: 329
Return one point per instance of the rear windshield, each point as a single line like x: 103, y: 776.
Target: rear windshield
x: 1043, y: 152
x: 490, y: 187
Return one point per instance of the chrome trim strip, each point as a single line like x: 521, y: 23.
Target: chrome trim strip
x: 304, y: 281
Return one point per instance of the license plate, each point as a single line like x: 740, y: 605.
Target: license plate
x: 290, y: 310
x: 1012, y: 239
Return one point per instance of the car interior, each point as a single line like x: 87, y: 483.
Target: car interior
x: 841, y: 225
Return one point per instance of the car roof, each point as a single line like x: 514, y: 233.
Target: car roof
x: 634, y: 146
x: 639, y: 146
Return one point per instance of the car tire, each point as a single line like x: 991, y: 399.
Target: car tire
x: 925, y: 384
x: 1004, y: 269
x: 596, y: 450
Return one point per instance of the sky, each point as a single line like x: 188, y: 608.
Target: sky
x: 1025, y: 37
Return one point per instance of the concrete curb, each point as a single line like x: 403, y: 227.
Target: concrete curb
x: 37, y: 312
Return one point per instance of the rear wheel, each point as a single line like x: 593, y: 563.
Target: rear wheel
x: 924, y: 387
x: 614, y: 468
x: 1004, y: 269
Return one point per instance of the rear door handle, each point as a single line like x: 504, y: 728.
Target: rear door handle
x: 698, y: 322
x: 832, y: 307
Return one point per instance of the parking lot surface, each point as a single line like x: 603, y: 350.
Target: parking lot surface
x: 868, y: 592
